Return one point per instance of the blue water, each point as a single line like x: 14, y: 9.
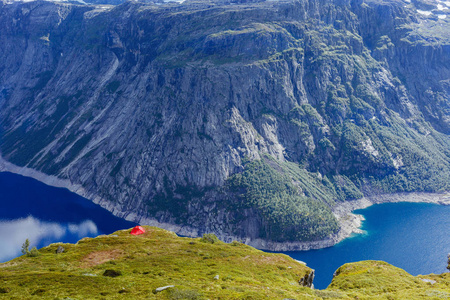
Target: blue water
x: 45, y: 214
x: 412, y: 236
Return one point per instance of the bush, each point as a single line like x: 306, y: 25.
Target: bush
x: 210, y: 238
x: 33, y: 252
x: 30, y: 253
x: 235, y: 243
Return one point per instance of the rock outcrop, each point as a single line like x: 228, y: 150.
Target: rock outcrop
x: 248, y: 120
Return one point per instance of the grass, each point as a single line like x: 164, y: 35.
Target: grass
x: 133, y: 267
x: 141, y: 264
x: 380, y: 280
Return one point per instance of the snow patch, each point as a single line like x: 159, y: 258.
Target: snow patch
x: 424, y: 12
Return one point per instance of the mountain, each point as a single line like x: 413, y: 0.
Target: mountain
x: 251, y: 120
x: 139, y: 267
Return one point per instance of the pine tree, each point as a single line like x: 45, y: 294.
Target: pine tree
x: 25, y: 247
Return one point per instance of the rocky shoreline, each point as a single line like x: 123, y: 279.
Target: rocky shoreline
x: 350, y: 222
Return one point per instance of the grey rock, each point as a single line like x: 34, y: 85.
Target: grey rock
x: 428, y: 280
x: 216, y: 277
x: 59, y: 250
x: 148, y: 106
x: 308, y: 279
x: 160, y: 289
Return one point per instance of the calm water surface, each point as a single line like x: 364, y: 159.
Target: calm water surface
x: 412, y: 236
x: 45, y: 214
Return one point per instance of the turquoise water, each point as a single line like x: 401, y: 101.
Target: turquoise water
x: 43, y: 214
x: 412, y: 236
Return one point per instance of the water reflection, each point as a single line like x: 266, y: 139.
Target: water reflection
x: 45, y: 215
x: 40, y: 233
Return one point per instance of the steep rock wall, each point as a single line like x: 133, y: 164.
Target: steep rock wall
x: 163, y: 112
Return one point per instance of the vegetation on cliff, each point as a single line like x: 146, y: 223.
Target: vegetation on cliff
x: 290, y: 212
x: 155, y: 109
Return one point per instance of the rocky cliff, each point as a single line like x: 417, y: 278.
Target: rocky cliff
x: 249, y: 120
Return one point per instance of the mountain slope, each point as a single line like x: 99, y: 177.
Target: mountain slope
x: 248, y: 120
x: 133, y: 267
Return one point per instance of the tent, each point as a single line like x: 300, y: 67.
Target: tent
x: 137, y: 230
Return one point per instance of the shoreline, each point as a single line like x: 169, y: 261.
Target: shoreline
x: 350, y: 222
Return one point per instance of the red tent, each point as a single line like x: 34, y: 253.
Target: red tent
x: 137, y: 230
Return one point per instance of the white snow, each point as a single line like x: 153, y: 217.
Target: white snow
x: 424, y: 12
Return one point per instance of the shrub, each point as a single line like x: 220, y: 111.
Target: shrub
x: 33, y: 252
x: 235, y: 243
x: 26, y: 249
x: 209, y: 238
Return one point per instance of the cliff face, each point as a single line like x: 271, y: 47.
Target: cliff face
x: 248, y: 120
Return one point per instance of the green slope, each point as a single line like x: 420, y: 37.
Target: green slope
x: 159, y: 258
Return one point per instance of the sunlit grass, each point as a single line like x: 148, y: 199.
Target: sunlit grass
x: 155, y: 259
x: 122, y: 266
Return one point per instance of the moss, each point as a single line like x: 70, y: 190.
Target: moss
x: 131, y: 267
x: 155, y: 259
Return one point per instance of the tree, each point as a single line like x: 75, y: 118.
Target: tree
x: 25, y: 247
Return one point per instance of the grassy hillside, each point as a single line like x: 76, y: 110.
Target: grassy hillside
x: 133, y: 267
x: 155, y: 259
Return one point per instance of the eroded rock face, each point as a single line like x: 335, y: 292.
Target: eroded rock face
x: 153, y: 108
x: 307, y: 280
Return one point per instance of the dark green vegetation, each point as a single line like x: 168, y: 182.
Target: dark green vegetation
x: 291, y: 212
x: 249, y: 120
x: 122, y: 266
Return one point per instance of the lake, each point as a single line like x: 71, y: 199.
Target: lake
x: 45, y: 214
x: 412, y: 236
